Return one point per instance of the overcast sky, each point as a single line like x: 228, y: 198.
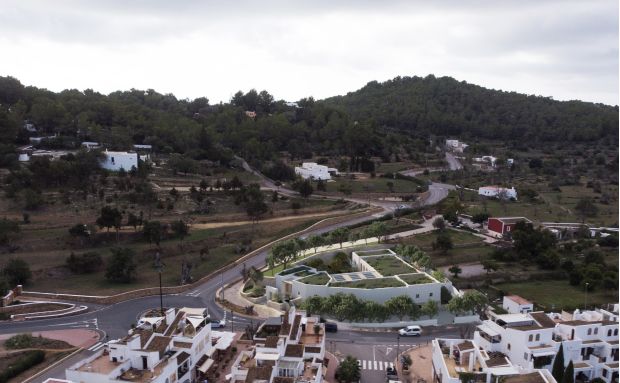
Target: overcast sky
x: 564, y: 49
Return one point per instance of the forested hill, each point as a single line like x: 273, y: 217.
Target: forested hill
x: 445, y: 106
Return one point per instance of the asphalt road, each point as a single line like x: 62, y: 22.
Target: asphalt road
x: 115, y: 320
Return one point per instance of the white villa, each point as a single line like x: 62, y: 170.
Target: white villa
x: 314, y: 171
x: 175, y: 347
x: 119, y: 160
x: 498, y: 192
x: 515, y: 304
x: 463, y: 360
x: 380, y: 275
x: 531, y: 341
x: 456, y: 146
x: 289, y: 349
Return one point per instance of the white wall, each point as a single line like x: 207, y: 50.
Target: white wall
x: 119, y: 160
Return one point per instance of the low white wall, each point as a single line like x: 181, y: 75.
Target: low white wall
x: 467, y: 319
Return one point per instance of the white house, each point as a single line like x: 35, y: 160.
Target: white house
x: 453, y: 359
x: 301, y: 281
x: 456, y: 145
x: 514, y: 304
x: 532, y: 340
x: 498, y: 192
x: 491, y: 160
x: 119, y: 160
x: 175, y: 347
x: 289, y: 348
x: 314, y: 171
x: 90, y: 145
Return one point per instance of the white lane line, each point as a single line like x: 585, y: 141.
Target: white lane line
x: 98, y: 347
x: 380, y: 365
x: 374, y: 363
x: 391, y: 365
x: 363, y: 364
x: 95, y: 346
x: 359, y: 363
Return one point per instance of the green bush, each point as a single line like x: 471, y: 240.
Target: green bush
x: 28, y: 360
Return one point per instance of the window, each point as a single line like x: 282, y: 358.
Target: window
x: 609, y: 332
x: 417, y: 295
x: 508, y: 346
x: 430, y: 295
x: 537, y: 336
x: 595, y: 330
x: 589, y: 331
x: 616, y: 332
x: 604, y: 373
x: 525, y: 356
x: 530, y: 338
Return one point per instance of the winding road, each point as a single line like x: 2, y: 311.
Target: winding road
x: 115, y: 320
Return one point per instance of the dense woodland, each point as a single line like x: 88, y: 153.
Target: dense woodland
x: 445, y: 106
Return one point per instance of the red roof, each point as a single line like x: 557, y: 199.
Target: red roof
x: 519, y: 300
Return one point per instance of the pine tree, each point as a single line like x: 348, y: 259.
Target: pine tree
x: 569, y: 373
x: 558, y: 365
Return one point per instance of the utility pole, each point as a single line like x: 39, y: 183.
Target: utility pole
x: 585, y: 299
x: 397, y: 350
x: 232, y: 321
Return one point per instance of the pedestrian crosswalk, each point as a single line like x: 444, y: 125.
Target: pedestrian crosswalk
x: 96, y: 346
x: 374, y: 365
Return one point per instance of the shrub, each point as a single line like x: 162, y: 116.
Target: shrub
x: 29, y: 359
x: 85, y: 263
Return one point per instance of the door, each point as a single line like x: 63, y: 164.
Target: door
x: 145, y: 363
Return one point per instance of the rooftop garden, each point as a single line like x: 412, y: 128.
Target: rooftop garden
x: 388, y: 265
x: 375, y: 283
x: 316, y: 279
x: 415, y: 279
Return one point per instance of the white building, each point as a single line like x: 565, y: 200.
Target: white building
x: 498, y: 192
x: 531, y: 340
x: 301, y: 281
x: 119, y: 160
x: 289, y: 348
x: 314, y: 171
x: 463, y: 360
x: 90, y: 145
x: 491, y: 160
x: 175, y: 347
x: 456, y: 146
x: 514, y: 304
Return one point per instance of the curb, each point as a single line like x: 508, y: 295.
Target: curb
x: 52, y: 365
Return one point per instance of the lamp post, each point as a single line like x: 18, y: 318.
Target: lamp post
x: 585, y: 299
x: 397, y: 350
x: 159, y: 266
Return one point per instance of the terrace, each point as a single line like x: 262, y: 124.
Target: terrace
x: 316, y: 279
x: 415, y: 278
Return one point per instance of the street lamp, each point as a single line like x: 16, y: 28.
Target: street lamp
x: 397, y: 350
x: 159, y: 266
x: 585, y: 300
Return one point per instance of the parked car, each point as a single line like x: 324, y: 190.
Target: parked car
x: 331, y: 327
x: 410, y: 331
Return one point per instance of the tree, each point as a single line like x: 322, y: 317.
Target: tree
x: 313, y: 305
x: 348, y: 370
x: 377, y: 229
x: 400, y: 306
x: 255, y: 275
x: 390, y: 186
x: 121, y: 266
x: 586, y: 208
x: 439, y: 223
x: 315, y: 241
x: 180, y: 228
x: 558, y: 365
x: 17, y: 272
x: 284, y: 252
x: 153, y: 231
x: 254, y: 201
x: 455, y: 270
x: 430, y: 309
x: 134, y: 220
x: 304, y: 188
x: 489, y: 265
x: 339, y: 235
x: 480, y: 217
x: 110, y: 217
x: 443, y: 242
x: 569, y: 373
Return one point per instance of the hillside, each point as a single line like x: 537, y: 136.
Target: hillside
x: 445, y: 106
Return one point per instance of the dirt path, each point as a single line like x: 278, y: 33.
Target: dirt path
x: 213, y: 225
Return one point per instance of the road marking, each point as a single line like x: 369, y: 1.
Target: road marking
x: 374, y: 363
x: 96, y: 346
x: 380, y: 365
x: 363, y: 364
x: 391, y: 365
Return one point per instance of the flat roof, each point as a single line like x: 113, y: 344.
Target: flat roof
x: 517, y: 299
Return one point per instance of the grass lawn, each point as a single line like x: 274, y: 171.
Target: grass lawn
x: 370, y: 283
x: 393, y: 167
x: 415, y: 279
x: 425, y: 241
x: 558, y: 294
x: 388, y: 265
x: 316, y: 279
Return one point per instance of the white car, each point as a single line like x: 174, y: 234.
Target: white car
x: 410, y: 331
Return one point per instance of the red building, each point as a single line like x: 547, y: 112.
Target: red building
x: 504, y: 225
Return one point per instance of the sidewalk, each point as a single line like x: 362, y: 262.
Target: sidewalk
x: 233, y: 295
